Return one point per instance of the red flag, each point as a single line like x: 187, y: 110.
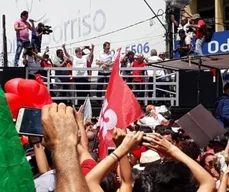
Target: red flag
x: 43, y: 94
x: 39, y: 79
x: 120, y: 109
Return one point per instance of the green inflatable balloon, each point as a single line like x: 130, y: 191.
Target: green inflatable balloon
x: 15, y: 171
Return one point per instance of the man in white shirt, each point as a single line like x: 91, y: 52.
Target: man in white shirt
x: 80, y: 76
x: 158, y: 72
x: 184, y: 25
x: 105, y: 61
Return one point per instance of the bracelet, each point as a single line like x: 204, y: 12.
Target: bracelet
x: 116, y: 156
x: 113, y: 157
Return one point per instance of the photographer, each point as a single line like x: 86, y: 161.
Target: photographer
x: 32, y: 60
x: 127, y: 61
x: 37, y: 36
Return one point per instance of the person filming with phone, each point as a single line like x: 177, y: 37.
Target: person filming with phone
x: 79, y: 74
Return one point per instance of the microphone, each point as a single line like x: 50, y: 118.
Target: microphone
x: 31, y: 20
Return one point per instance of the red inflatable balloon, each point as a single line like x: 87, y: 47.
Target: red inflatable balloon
x: 42, y: 95
x: 14, y: 102
x: 28, y: 90
x: 11, y: 86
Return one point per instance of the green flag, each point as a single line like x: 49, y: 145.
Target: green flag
x: 15, y: 171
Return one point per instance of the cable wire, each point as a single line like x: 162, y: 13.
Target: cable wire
x: 114, y: 31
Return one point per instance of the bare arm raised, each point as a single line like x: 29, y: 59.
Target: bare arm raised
x: 61, y: 135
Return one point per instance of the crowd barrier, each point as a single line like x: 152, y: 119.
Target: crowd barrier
x: 153, y: 89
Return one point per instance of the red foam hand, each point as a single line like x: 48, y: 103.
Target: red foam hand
x: 11, y: 86
x: 43, y: 97
x: 26, y: 93
x: 28, y: 90
x: 14, y: 102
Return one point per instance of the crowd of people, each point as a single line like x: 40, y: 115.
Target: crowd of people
x: 149, y: 157
x: 82, y: 60
x: 192, y: 34
x: 152, y: 154
x: 83, y: 57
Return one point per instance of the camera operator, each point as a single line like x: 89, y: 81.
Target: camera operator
x: 185, y: 44
x: 37, y: 36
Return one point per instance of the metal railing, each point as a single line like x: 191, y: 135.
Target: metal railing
x: 154, y: 89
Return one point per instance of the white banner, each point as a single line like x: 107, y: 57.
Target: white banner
x: 79, y: 23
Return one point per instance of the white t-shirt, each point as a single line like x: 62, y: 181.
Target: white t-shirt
x: 185, y: 28
x: 104, y: 57
x: 159, y: 72
x: 188, y: 40
x: 79, y: 63
x: 46, y: 182
x: 32, y: 62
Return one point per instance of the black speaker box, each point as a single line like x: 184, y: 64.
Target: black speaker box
x: 188, y: 88
x: 7, y: 73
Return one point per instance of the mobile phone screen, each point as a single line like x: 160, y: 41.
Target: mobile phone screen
x: 31, y: 122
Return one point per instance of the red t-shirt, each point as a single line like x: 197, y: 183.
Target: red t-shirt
x: 138, y: 72
x: 87, y: 166
x: 45, y: 64
x: 200, y: 32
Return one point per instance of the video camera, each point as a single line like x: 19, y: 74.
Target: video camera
x: 46, y: 29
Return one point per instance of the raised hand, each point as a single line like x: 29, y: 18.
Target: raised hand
x: 60, y: 127
x: 118, y: 136
x: 132, y: 140
x: 158, y: 143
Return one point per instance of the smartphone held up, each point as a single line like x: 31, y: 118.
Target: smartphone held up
x: 29, y: 122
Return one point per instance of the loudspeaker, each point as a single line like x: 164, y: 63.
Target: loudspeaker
x: 7, y: 73
x: 188, y: 88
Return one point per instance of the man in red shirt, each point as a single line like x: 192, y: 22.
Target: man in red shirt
x: 138, y: 73
x: 200, y: 27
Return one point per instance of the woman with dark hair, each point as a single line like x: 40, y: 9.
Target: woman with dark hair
x: 109, y: 183
x: 207, y: 163
x: 172, y: 175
